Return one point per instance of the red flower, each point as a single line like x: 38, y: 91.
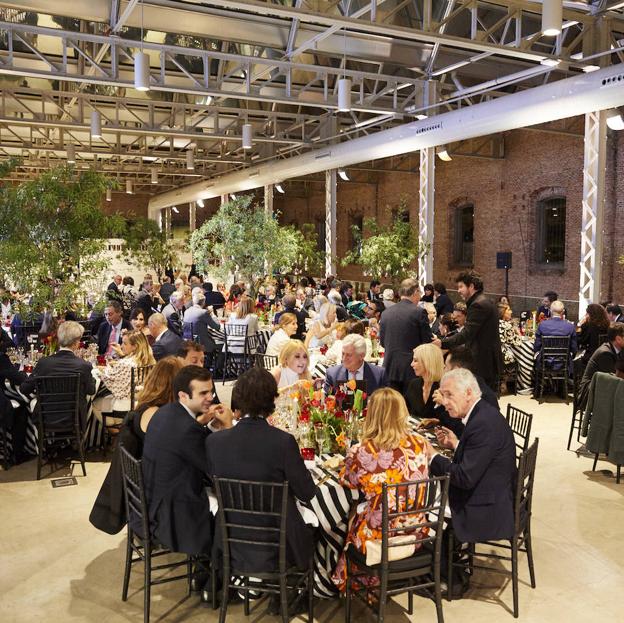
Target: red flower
x: 364, y: 395
x: 316, y: 403
x: 323, y: 349
x: 340, y: 415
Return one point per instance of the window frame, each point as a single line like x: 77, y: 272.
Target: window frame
x: 540, y: 230
x: 457, y: 248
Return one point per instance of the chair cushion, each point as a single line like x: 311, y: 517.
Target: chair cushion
x: 421, y: 560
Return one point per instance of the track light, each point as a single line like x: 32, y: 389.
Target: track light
x: 247, y: 136
x: 129, y: 187
x: 442, y: 153
x: 589, y: 68
x: 344, y: 94
x: 154, y: 176
x: 552, y: 16
x: 175, y: 209
x: 550, y: 62
x: 615, y: 120
x: 71, y: 154
x: 96, y: 124
x: 141, y: 71
x: 233, y: 196
x: 109, y: 194
x: 343, y: 175
x: 190, y: 159
x: 280, y: 189
x: 200, y: 203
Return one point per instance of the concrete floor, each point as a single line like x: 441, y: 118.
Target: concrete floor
x: 55, y: 566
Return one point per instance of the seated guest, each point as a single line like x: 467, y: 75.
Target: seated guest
x: 544, y: 309
x: 65, y: 362
x: 614, y: 312
x: 335, y: 350
x: 139, y: 323
x: 270, y: 455
x: 373, y: 312
x: 197, y: 319
x: 447, y: 325
x: 287, y: 327
x: 109, y: 333
x: 144, y: 298
x: 353, y: 366
x: 388, y: 297
x: 374, y: 291
x: 460, y: 313
x: 346, y: 292
x: 462, y: 357
x: 166, y: 289
x: 442, y: 300
x: 386, y: 434
x: 191, y: 353
x: 166, y: 342
x: 357, y: 307
x: 216, y: 300
x: 432, y: 317
x: 289, y: 306
x: 428, y: 366
x: 293, y: 365
x: 428, y: 296
x: 243, y: 315
x: 603, y: 359
x: 483, y: 468
x: 595, y: 323
x: 175, y: 466
x: 317, y: 302
x: 334, y: 297
x: 509, y: 335
x: 173, y: 311
x: 556, y: 325
x: 322, y: 328
x: 503, y: 300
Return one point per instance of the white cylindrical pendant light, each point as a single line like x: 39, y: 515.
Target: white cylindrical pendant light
x: 96, y: 124
x: 109, y: 194
x: 344, y: 94
x: 443, y: 154
x: 280, y: 189
x: 615, y: 121
x: 190, y: 159
x: 154, y: 176
x: 552, y: 17
x: 200, y: 203
x: 129, y: 187
x: 71, y: 154
x: 141, y: 71
x: 247, y: 136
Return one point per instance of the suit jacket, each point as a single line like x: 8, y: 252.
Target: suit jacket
x: 482, y: 477
x: 254, y: 450
x: 168, y: 344
x: 103, y: 335
x: 481, y: 336
x: 196, y: 322
x: 558, y: 327
x: 215, y: 299
x: 374, y: 377
x: 403, y: 327
x: 174, y: 470
x: 174, y: 318
x: 146, y: 303
x: 166, y: 290
x: 443, y: 304
x: 589, y: 338
x: 603, y: 360
x: 63, y: 363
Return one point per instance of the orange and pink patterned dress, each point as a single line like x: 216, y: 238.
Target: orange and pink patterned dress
x: 367, y: 468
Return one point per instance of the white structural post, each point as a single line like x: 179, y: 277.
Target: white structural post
x: 268, y: 198
x: 168, y: 222
x: 592, y: 233
x: 192, y: 216
x: 330, y: 221
x: 225, y: 198
x: 426, y: 206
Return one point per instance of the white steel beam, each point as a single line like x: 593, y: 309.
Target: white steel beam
x: 331, y: 190
x: 192, y: 216
x: 426, y: 209
x: 268, y: 198
x: 592, y: 232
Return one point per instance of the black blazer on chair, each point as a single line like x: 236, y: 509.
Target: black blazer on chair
x: 482, y: 477
x: 255, y: 450
x: 174, y: 469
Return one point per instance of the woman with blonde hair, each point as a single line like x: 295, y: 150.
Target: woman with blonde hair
x: 243, y: 315
x: 321, y: 329
x: 387, y: 454
x: 286, y: 328
x: 293, y: 365
x: 428, y: 366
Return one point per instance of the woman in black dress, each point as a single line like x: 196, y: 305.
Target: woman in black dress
x: 592, y: 326
x: 428, y: 366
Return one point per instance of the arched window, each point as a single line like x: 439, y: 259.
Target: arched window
x: 551, y: 228
x: 463, y: 247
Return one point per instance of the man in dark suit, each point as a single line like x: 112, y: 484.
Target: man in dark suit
x: 603, y: 359
x: 442, y: 300
x: 166, y: 342
x: 166, y: 289
x: 483, y: 468
x: 115, y: 284
x: 615, y: 313
x: 289, y: 303
x: 213, y: 299
x: 254, y: 450
x: 174, y: 463
x: 556, y: 325
x: 65, y: 362
x: 110, y: 332
x: 354, y: 367
x: 174, y: 312
x: 403, y: 327
x: 549, y: 298
x: 480, y: 332
x: 145, y: 300
x: 374, y: 291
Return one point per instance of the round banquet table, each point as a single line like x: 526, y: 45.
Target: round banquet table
x: 525, y: 358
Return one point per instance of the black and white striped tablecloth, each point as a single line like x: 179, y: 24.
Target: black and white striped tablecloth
x: 263, y: 336
x: 525, y: 357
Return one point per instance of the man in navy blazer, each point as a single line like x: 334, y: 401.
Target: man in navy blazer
x: 175, y: 466
x: 166, y: 342
x: 115, y: 321
x: 556, y: 325
x: 483, y: 469
x: 354, y: 367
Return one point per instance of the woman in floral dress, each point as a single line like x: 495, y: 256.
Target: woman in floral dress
x: 388, y: 453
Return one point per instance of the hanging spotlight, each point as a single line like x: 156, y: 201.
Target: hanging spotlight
x: 280, y: 189
x: 175, y: 209
x: 247, y: 136
x: 129, y: 187
x: 233, y: 196
x: 589, y: 68
x: 550, y: 62
x: 343, y: 175
x: 442, y: 153
x: 96, y: 124
x: 190, y: 159
x: 344, y: 94
x: 154, y: 176
x: 200, y: 203
x: 71, y: 154
x: 615, y: 120
x: 141, y: 71
x: 552, y: 16
x: 109, y: 194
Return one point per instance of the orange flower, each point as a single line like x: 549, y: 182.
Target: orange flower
x: 330, y: 403
x: 306, y: 384
x: 341, y: 440
x: 351, y: 384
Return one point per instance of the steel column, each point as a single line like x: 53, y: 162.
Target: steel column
x: 192, y: 216
x: 268, y: 198
x: 426, y: 207
x: 331, y: 190
x: 167, y: 222
x: 592, y: 232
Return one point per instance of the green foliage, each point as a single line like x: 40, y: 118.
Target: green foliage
x: 241, y: 239
x: 389, y: 251
x: 310, y: 260
x: 146, y: 246
x: 53, y: 228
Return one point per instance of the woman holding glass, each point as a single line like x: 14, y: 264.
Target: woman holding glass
x: 293, y: 365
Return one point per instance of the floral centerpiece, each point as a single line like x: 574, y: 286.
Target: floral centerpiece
x: 374, y: 338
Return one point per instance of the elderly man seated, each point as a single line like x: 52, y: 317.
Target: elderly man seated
x: 354, y: 367
x: 557, y: 326
x: 166, y: 342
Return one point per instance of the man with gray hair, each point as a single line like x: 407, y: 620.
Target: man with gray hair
x: 333, y: 296
x: 65, y: 363
x: 483, y: 467
x: 556, y: 325
x: 197, y: 320
x: 166, y: 342
x: 174, y: 312
x: 353, y: 366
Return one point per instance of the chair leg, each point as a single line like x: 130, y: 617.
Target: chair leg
x: 128, y: 569
x: 311, y: 594
x: 284, y: 599
x: 147, y: 552
x: 449, y: 564
x: 617, y: 475
x: 529, y: 550
x: 225, y: 590
x: 82, y: 455
x: 246, y: 598
x: 572, y: 427
x: 514, y: 575
x: 347, y: 594
x: 595, y: 462
x: 410, y: 602
x: 437, y: 593
x: 189, y: 570
x: 383, y: 598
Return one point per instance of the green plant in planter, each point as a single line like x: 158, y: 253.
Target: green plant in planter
x: 309, y: 260
x: 53, y: 234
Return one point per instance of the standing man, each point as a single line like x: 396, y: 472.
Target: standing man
x: 174, y: 312
x: 615, y: 313
x: 480, y: 333
x: 115, y: 284
x: 109, y: 332
x: 166, y: 289
x: 374, y: 291
x: 403, y: 327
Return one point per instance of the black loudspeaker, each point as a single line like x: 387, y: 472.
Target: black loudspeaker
x: 503, y: 259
